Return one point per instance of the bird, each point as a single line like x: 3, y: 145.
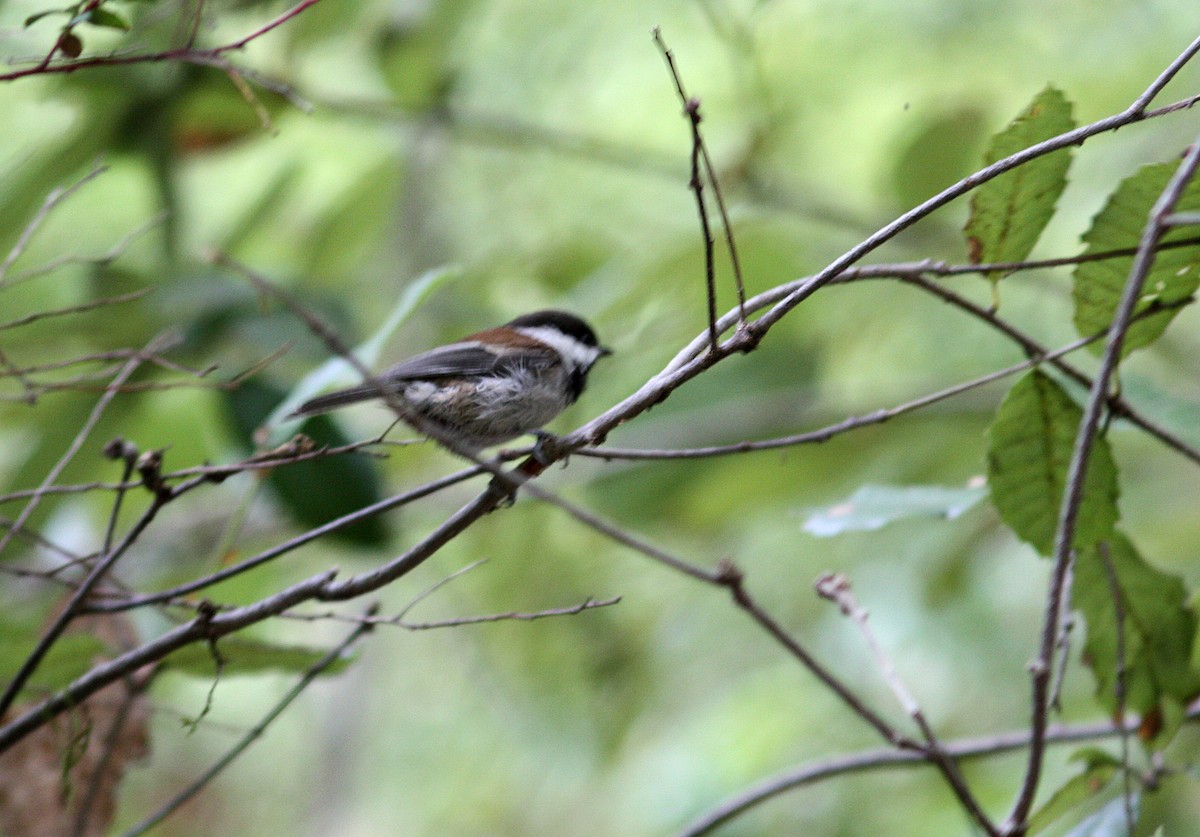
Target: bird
x: 489, y: 387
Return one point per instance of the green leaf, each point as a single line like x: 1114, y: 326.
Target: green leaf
x: 249, y: 656
x: 34, y: 18
x: 1009, y: 212
x: 1029, y: 450
x: 874, y: 506
x: 1175, y: 275
x: 1109, y: 821
x: 315, y: 491
x: 70, y: 657
x: 111, y: 20
x: 943, y: 150
x: 1079, y: 789
x: 1159, y: 629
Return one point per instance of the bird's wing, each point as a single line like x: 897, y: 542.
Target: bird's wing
x: 463, y: 359
x: 451, y: 361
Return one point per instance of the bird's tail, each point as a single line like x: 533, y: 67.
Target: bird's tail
x: 333, y: 400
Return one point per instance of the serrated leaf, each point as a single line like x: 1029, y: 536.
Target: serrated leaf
x: 249, y: 656
x: 1159, y: 629
x: 1109, y: 821
x: 1009, y: 212
x: 874, y: 506
x: 1079, y: 789
x: 1029, y: 450
x: 1098, y: 285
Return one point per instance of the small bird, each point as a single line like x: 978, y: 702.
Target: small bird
x: 489, y: 387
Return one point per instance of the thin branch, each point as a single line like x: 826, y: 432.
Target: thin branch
x: 1119, y: 675
x: 52, y: 200
x: 75, y: 604
x: 400, y: 621
x: 692, y: 360
x: 1066, y: 626
x: 828, y: 432
x: 732, y: 579
x: 187, y: 54
x: 76, y: 309
x: 1085, y: 437
x: 836, y: 588
x: 179, y: 591
x: 255, y: 732
x: 1143, y: 101
x: 691, y: 109
x: 1136, y: 112
x: 882, y: 759
x: 156, y: 345
x: 108, y: 257
x: 1116, y: 404
x: 621, y: 536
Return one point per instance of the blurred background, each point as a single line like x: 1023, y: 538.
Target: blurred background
x: 537, y: 148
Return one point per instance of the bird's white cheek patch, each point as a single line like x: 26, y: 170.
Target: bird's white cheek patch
x: 569, y: 348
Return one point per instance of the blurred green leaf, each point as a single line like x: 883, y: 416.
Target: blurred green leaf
x: 1098, y: 285
x: 416, y: 57
x: 944, y: 149
x: 34, y: 18
x: 1029, y: 450
x: 248, y: 656
x: 1079, y: 789
x: 210, y: 113
x: 353, y: 223
x: 874, y: 506
x: 101, y: 16
x: 70, y: 657
x: 1009, y: 212
x: 1109, y: 821
x: 1159, y: 628
x: 318, y: 490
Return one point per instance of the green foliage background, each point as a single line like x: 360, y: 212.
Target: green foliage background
x: 539, y: 145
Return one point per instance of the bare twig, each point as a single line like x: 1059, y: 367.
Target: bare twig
x: 1119, y: 674
x: 731, y: 578
x: 836, y: 588
x: 156, y: 345
x: 255, y: 732
x: 179, y: 591
x: 75, y: 309
x: 112, y: 254
x: 75, y: 604
x: 691, y: 109
x: 52, y: 200
x: 188, y: 54
x: 400, y: 621
x: 1136, y: 112
x: 882, y: 759
x: 824, y: 434
x: 1066, y: 625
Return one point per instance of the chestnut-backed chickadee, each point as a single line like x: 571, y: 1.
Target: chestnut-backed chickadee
x: 488, y: 387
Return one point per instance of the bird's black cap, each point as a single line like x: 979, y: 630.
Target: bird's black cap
x: 564, y: 321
